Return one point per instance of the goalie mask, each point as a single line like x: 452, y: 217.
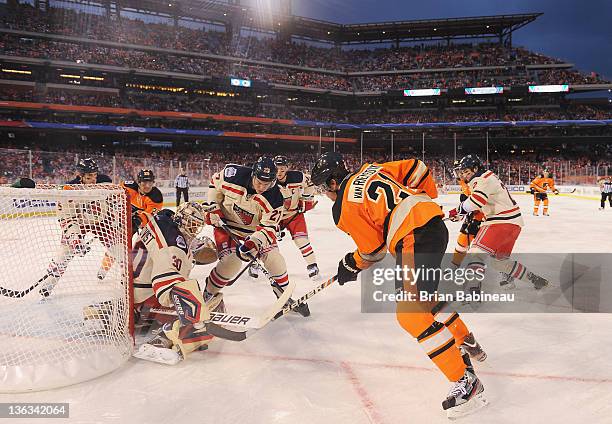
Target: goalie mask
x: 190, y: 218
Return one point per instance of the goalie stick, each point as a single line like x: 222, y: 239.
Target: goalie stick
x: 19, y: 294
x: 213, y: 327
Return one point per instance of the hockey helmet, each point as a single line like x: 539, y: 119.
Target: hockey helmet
x: 87, y: 166
x: 145, y: 175
x: 281, y: 160
x: 470, y: 162
x: 189, y: 217
x: 264, y: 169
x: 329, y: 165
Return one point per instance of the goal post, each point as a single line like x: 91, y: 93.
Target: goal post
x: 65, y: 284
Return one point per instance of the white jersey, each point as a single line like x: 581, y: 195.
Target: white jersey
x: 162, y: 258
x: 246, y: 213
x: 491, y: 196
x: 296, y: 189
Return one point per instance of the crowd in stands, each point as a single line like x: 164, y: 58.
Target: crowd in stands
x: 72, y: 23
x: 569, y: 166
x: 136, y: 59
x: 208, y: 105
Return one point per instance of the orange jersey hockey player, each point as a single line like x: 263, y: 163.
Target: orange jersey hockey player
x: 144, y: 197
x: 389, y: 207
x: 539, y: 187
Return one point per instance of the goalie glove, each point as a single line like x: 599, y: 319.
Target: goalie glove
x: 347, y: 269
x: 204, y: 250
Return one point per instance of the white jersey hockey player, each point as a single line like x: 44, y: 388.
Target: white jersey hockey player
x: 249, y: 204
x: 78, y: 220
x: 298, y: 194
x: 163, y: 260
x: 501, y: 226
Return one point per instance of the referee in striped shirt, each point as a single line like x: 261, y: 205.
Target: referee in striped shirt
x: 182, y: 187
x: 606, y: 191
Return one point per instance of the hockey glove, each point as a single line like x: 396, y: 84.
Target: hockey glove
x: 347, y: 269
x: 214, y: 217
x: 556, y: 192
x: 306, y: 205
x: 247, y: 250
x: 456, y: 214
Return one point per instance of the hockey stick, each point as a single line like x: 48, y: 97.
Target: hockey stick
x: 19, y: 294
x: 237, y: 336
x: 253, y: 258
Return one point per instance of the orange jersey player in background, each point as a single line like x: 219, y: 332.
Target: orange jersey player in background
x: 389, y: 207
x: 470, y: 226
x: 145, y: 199
x: 539, y: 186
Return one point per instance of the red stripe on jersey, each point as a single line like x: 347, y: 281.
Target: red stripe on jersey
x: 164, y: 283
x: 479, y: 199
x: 263, y: 205
x: 233, y: 190
x: 509, y: 210
x: 157, y: 239
x: 271, y: 234
x: 294, y: 185
x: 487, y: 174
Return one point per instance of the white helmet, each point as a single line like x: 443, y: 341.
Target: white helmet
x: 190, y: 218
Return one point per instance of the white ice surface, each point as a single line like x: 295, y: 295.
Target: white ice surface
x: 342, y: 366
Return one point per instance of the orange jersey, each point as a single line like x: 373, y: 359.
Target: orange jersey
x: 542, y: 185
x: 150, y: 203
x: 381, y: 204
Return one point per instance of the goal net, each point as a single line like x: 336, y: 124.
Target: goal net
x: 65, y: 294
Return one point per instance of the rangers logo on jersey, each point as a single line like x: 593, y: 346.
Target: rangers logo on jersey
x: 245, y: 217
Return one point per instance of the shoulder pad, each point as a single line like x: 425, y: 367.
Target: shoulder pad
x: 101, y: 178
x: 170, y: 231
x: 237, y: 174
x: 156, y: 195
x: 274, y: 197
x: 294, y: 177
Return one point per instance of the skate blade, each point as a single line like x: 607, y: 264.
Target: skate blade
x: 471, y: 406
x: 158, y: 355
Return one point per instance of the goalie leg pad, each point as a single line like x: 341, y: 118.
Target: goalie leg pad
x: 189, y: 302
x: 187, y: 339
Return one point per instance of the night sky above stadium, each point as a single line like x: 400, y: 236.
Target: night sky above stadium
x: 576, y: 31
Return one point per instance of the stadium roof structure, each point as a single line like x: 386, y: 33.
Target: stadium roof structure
x: 430, y: 29
x: 282, y: 21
